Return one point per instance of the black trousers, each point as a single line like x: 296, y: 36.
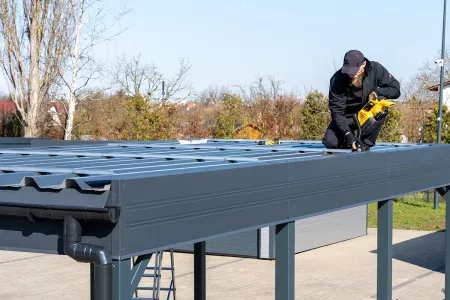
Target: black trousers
x: 334, y: 138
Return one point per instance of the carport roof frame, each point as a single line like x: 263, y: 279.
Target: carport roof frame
x: 94, y: 167
x: 174, y: 206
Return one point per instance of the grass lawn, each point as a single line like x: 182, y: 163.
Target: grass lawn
x: 412, y: 212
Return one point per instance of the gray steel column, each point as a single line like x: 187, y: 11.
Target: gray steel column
x: 122, y: 279
x: 384, y: 254
x: 447, y: 246
x: 436, y: 200
x: 441, y: 92
x: 285, y: 261
x: 200, y: 271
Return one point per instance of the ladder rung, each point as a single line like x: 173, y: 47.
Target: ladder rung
x: 148, y: 288
x: 148, y: 275
x: 162, y: 268
x: 144, y: 288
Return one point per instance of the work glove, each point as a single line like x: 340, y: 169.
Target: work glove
x: 360, y: 146
x: 350, y: 138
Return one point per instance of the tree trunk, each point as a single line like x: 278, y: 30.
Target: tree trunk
x: 33, y: 81
x: 70, y: 117
x: 78, y: 19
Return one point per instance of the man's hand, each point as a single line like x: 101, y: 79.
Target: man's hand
x: 373, y: 96
x: 350, y: 139
x: 359, y: 146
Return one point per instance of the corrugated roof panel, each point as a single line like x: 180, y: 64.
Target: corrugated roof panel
x: 8, y: 179
x: 94, y: 167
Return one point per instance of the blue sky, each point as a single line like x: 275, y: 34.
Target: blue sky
x: 231, y: 42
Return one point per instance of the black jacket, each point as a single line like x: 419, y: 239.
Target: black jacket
x: 342, y: 100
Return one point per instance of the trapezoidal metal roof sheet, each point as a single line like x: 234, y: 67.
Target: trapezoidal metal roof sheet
x: 94, y: 167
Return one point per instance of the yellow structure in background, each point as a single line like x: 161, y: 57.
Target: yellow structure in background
x: 248, y: 132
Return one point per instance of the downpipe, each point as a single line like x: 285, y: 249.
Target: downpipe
x: 81, y: 252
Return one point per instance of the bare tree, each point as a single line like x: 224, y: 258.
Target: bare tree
x: 427, y: 76
x: 261, y: 96
x: 87, y: 29
x: 259, y: 89
x: 134, y: 77
x: 31, y: 53
x: 212, y: 95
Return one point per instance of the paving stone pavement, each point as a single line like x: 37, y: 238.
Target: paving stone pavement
x: 342, y: 271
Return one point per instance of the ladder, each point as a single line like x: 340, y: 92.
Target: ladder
x: 155, y: 273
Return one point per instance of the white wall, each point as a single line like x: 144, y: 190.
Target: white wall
x: 446, y: 96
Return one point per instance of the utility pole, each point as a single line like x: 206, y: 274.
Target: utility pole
x: 441, y: 94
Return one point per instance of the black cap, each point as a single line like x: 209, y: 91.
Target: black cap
x: 353, y: 59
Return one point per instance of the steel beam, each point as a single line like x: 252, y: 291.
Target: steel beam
x: 285, y: 261
x: 447, y: 246
x: 444, y: 192
x: 122, y: 279
x: 125, y: 278
x: 200, y: 271
x: 384, y: 254
x: 138, y: 271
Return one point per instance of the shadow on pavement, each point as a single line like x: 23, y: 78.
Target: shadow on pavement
x: 426, y: 251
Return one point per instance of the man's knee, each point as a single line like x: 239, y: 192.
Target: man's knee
x: 330, y: 140
x: 330, y: 144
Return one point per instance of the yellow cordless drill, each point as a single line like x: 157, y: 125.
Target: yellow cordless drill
x: 372, y: 111
x: 367, y: 117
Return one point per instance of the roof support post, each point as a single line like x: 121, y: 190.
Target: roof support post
x: 200, y: 271
x: 443, y: 191
x: 126, y: 279
x: 121, y: 279
x: 384, y: 253
x: 285, y: 261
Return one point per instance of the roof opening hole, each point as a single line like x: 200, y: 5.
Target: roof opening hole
x: 82, y: 175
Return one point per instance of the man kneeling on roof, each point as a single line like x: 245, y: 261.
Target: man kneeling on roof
x: 356, y: 87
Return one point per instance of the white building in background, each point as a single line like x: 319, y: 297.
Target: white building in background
x: 445, y: 92
x: 54, y: 114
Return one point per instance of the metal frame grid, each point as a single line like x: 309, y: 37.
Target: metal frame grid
x: 94, y: 167
x: 166, y: 192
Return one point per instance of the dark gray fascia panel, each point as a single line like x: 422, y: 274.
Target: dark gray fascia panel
x: 161, y: 212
